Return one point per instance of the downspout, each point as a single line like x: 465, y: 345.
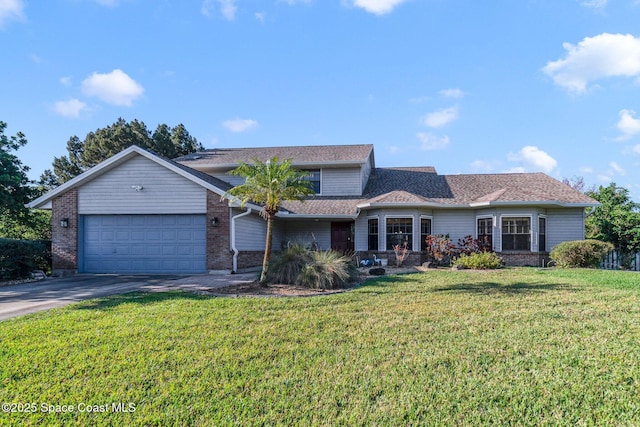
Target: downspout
x: 233, y: 239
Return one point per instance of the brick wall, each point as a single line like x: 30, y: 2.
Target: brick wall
x: 248, y: 259
x: 219, y: 255
x: 64, y: 241
x: 525, y: 259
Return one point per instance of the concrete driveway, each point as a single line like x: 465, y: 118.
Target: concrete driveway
x: 17, y: 300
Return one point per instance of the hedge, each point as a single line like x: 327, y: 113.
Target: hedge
x: 580, y: 253
x: 18, y: 258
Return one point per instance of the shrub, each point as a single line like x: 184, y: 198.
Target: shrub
x: 327, y: 270
x: 580, y: 253
x: 479, y: 261
x: 439, y: 249
x: 287, y: 265
x: 312, y: 269
x: 18, y: 258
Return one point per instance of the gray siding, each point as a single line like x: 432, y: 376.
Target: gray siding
x: 306, y: 232
x: 564, y: 225
x: 164, y: 192
x: 231, y: 179
x: 456, y: 223
x: 341, y: 182
x: 251, y: 231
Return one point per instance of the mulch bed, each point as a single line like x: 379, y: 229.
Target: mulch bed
x: 274, y: 290
x: 283, y: 290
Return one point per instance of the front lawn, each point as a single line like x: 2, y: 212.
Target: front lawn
x: 517, y: 346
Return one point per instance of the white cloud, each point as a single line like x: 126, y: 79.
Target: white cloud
x: 533, y: 159
x: 484, y: 165
x: 452, y: 93
x: 260, y: 16
x: 71, y: 108
x: 115, y: 88
x: 228, y: 8
x: 65, y: 81
x: 378, y: 7
x: 636, y: 148
x: 605, y: 55
x: 586, y: 170
x: 11, y: 10
x: 595, y: 4
x: 604, y: 178
x: 628, y: 125
x: 240, y: 125
x: 429, y: 141
x: 616, y: 168
x: 441, y: 118
x: 515, y: 169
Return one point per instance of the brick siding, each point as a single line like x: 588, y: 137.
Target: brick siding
x: 219, y: 255
x: 64, y: 241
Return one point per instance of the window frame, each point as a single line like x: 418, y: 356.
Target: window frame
x: 491, y: 228
x: 370, y: 235
x: 312, y: 181
x: 543, y: 247
x: 423, y: 236
x: 389, y: 245
x: 529, y: 217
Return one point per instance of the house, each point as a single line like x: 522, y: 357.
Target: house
x: 137, y: 212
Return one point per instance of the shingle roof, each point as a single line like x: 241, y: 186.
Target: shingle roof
x: 422, y: 186
x: 326, y: 154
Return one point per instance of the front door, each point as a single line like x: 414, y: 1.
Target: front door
x: 342, y: 236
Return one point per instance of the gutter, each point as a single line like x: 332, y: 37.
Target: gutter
x: 233, y: 239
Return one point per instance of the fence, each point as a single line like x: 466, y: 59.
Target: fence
x: 613, y: 261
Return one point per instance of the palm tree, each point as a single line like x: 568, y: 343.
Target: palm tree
x: 269, y: 184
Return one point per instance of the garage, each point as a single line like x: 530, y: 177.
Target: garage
x: 142, y: 244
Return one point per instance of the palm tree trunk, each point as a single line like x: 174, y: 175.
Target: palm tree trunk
x: 267, y: 250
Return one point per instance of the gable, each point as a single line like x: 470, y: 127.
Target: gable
x: 141, y: 186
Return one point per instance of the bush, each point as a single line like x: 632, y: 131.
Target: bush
x: 479, y: 261
x: 298, y: 265
x: 327, y: 270
x: 580, y: 253
x: 18, y: 258
x: 287, y: 265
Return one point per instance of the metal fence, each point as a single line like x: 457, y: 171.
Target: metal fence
x: 613, y: 261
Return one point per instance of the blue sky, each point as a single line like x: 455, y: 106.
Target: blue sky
x: 465, y: 86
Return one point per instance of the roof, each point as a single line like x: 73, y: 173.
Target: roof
x: 207, y: 181
x: 300, y: 155
x: 422, y: 187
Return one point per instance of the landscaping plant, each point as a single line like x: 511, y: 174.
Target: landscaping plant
x: 479, y: 261
x: 580, y: 253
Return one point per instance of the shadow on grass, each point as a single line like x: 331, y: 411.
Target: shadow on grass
x: 513, y: 288
x: 140, y: 298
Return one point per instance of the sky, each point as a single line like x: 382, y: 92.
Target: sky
x: 489, y: 86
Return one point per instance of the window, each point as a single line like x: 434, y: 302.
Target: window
x: 542, y: 234
x: 314, y: 179
x: 425, y: 230
x: 399, y: 232
x: 516, y: 234
x: 373, y: 234
x: 485, y: 231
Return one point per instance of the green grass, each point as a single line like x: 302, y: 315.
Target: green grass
x: 517, y: 347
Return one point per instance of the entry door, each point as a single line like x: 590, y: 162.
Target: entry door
x: 342, y: 236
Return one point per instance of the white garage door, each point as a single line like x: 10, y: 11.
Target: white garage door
x: 156, y: 244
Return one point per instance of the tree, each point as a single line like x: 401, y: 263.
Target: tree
x: 269, y: 184
x: 16, y: 221
x: 15, y: 189
x: 578, y: 184
x: 616, y: 220
x: 104, y: 143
